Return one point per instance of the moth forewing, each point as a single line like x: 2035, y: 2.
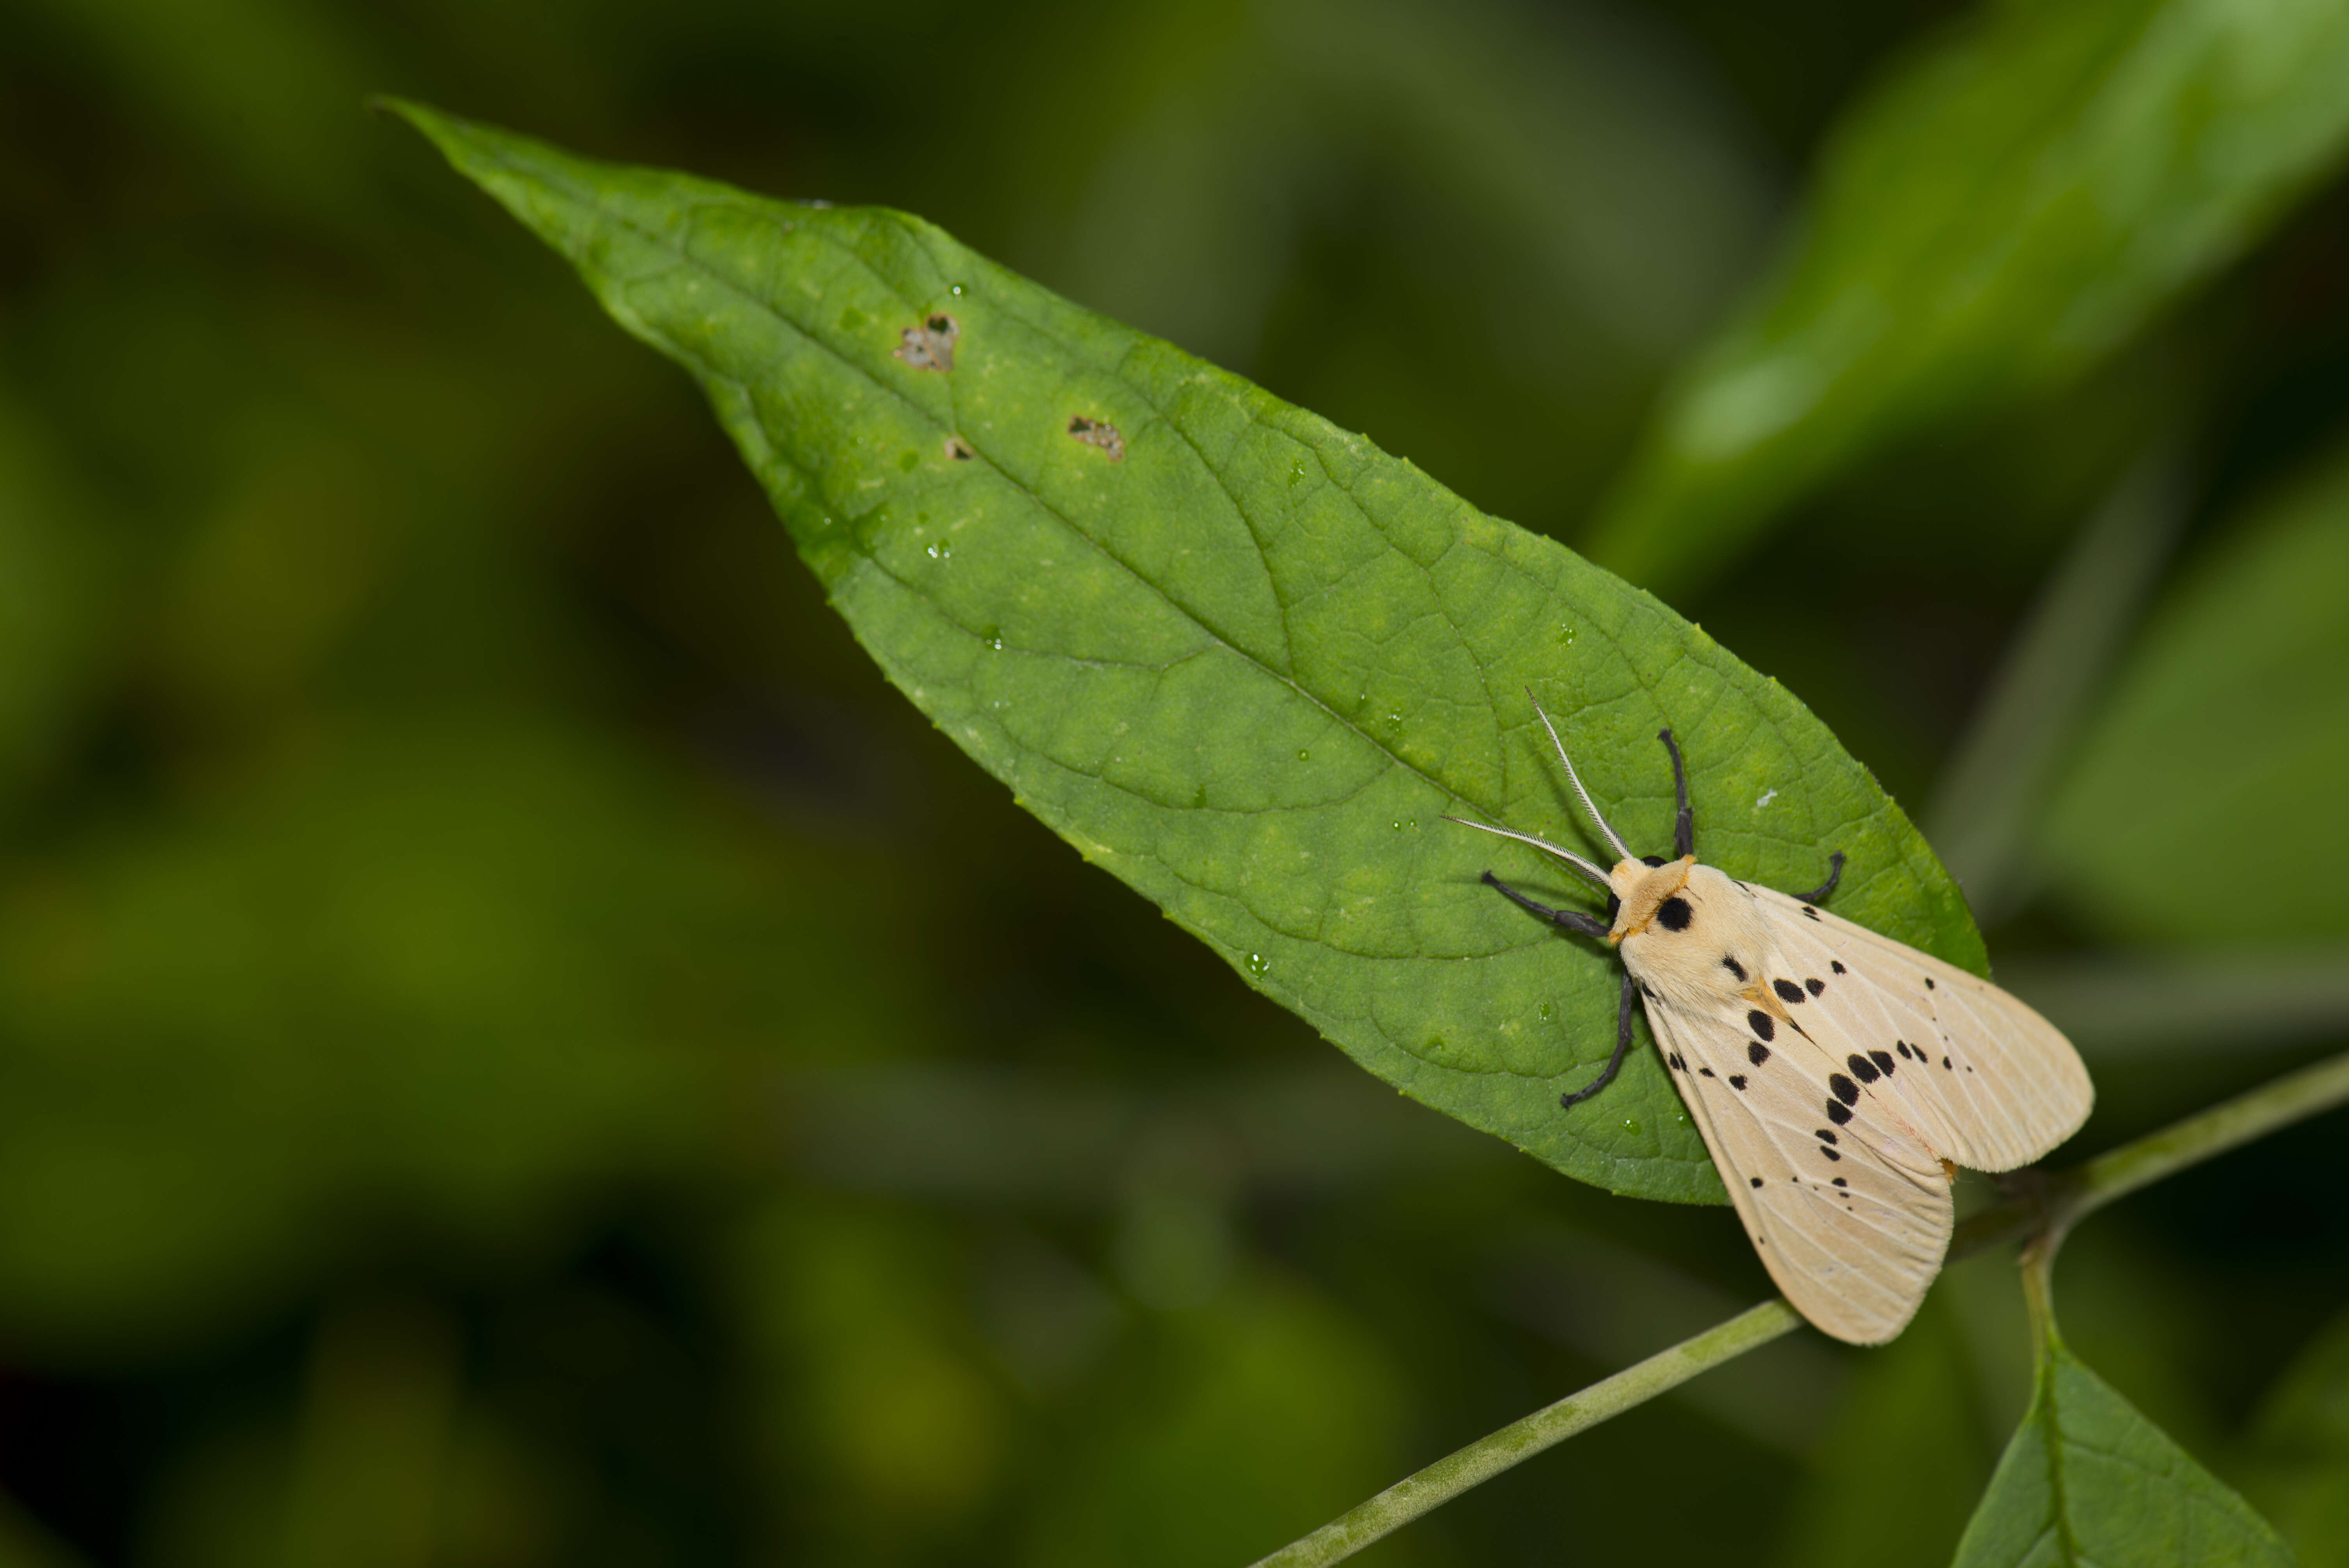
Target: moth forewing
x: 1850, y: 1211
x: 1987, y: 1081
x: 1850, y: 1224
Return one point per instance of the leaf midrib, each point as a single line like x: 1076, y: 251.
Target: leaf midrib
x: 2066, y: 1541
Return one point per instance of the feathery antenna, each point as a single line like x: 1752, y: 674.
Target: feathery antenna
x: 1576, y: 779
x: 1568, y: 856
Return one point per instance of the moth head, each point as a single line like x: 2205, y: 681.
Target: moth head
x: 1638, y: 889
x: 1649, y: 892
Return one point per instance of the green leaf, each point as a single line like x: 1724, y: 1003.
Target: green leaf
x: 1240, y: 658
x: 2007, y: 209
x: 2234, y: 703
x: 2088, y: 1480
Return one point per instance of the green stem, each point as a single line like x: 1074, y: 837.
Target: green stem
x: 2044, y: 1211
x: 2293, y: 1098
x: 1487, y: 1457
x: 2037, y: 1267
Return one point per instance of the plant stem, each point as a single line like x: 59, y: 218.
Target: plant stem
x: 1487, y: 1457
x: 2044, y: 1209
x: 2293, y: 1098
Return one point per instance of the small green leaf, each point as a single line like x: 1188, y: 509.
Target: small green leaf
x: 2236, y: 706
x: 2088, y: 1480
x: 2009, y: 209
x: 1240, y: 659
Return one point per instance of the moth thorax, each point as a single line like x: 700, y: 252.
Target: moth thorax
x: 1642, y: 890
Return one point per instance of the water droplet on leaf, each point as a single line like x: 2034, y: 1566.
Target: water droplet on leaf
x: 1544, y: 1011
x: 992, y: 636
x: 1256, y: 965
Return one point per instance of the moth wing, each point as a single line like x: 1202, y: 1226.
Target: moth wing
x: 1856, y: 1258
x: 1987, y: 1082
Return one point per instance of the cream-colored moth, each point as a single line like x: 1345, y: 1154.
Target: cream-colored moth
x: 1838, y: 1077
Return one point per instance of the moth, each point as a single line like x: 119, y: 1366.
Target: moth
x: 1838, y: 1077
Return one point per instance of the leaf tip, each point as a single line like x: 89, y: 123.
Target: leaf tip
x: 423, y: 117
x: 463, y: 142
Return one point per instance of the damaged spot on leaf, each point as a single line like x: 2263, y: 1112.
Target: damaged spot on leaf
x: 958, y: 450
x: 1099, y: 433
x: 930, y: 346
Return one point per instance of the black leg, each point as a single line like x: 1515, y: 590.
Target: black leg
x: 1573, y: 920
x: 1835, y: 874
x: 1622, y: 1044
x: 1684, y: 824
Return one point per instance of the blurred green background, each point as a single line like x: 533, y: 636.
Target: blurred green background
x: 516, y: 1048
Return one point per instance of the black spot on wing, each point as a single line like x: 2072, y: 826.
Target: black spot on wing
x: 1757, y: 1052
x: 1759, y: 1022
x: 1674, y: 914
x: 1729, y: 961
x: 1901, y: 1047
x: 1704, y: 1072
x: 1841, y: 1182
x: 1824, y: 1136
x: 1737, y: 1080
x: 1861, y: 1068
x: 1928, y: 983
x: 1945, y: 1063
x: 1753, y: 1180
x: 1883, y: 1060
x: 1809, y: 910
x: 1787, y: 990
x: 1830, y: 1153
x: 1814, y: 985
x: 1839, y: 1113
x: 1845, y: 1089
x: 1836, y: 964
